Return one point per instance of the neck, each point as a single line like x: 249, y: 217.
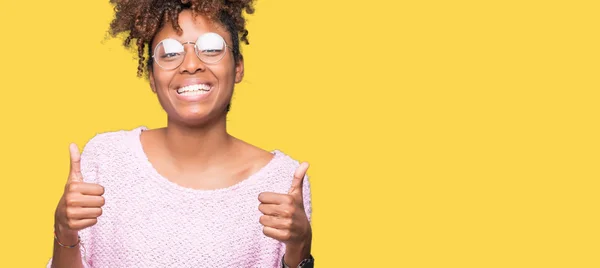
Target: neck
x: 206, y: 143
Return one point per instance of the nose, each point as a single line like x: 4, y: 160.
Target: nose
x: 191, y: 63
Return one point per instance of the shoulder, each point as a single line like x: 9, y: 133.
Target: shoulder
x: 285, y: 161
x: 105, y: 149
x: 109, y: 138
x: 275, y: 161
x: 282, y: 168
x: 105, y: 143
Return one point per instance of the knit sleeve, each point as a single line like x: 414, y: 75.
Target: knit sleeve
x: 89, y: 170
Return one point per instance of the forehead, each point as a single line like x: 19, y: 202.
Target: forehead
x: 191, y: 27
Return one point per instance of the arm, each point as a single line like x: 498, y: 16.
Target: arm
x: 295, y: 253
x: 66, y: 257
x: 287, y: 217
x: 79, y: 208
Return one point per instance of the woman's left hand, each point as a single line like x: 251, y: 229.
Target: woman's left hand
x: 284, y: 217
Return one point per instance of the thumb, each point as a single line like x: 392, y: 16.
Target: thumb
x: 296, y: 188
x: 75, y: 170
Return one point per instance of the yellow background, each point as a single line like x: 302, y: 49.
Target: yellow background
x: 440, y: 133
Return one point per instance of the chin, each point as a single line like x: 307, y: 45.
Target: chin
x: 194, y: 119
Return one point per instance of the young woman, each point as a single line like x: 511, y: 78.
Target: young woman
x: 188, y: 194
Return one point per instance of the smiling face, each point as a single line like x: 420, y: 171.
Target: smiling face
x: 195, y: 92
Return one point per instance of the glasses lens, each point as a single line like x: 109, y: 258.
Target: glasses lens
x: 210, y: 47
x: 169, y: 54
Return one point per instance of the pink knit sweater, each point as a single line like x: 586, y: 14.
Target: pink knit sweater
x: 149, y: 221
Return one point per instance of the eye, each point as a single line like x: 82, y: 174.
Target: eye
x: 169, y: 55
x: 169, y: 49
x: 211, y: 52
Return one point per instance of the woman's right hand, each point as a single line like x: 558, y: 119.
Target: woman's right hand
x: 80, y: 205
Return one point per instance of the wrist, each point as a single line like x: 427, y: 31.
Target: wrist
x: 66, y: 235
x: 296, y: 252
x: 308, y: 262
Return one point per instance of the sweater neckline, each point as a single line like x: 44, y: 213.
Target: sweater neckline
x: 174, y: 187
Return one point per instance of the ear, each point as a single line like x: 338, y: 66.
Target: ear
x: 239, y: 70
x: 151, y: 79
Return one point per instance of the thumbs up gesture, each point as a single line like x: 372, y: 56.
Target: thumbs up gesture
x: 80, y: 205
x: 284, y: 217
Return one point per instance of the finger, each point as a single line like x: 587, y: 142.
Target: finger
x: 282, y: 211
x: 86, y: 188
x: 81, y: 224
x: 75, y: 170
x: 275, y: 198
x: 89, y: 201
x: 296, y: 188
x: 276, y: 222
x: 92, y: 201
x: 277, y: 234
x: 79, y: 213
x: 270, y: 209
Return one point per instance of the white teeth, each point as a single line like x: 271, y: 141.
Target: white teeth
x: 199, y: 88
x: 193, y: 93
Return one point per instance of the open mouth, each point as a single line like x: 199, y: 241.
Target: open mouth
x: 194, y: 90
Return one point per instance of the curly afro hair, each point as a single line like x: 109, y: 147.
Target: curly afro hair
x: 142, y: 19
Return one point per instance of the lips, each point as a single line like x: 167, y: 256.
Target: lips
x: 194, y: 90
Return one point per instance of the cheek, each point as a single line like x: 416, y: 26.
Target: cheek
x: 225, y: 74
x: 225, y: 70
x: 231, y: 73
x: 163, y: 79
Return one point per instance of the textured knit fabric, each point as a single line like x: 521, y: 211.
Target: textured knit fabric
x: 149, y: 221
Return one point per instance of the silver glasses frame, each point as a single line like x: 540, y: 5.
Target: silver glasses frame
x: 196, y: 51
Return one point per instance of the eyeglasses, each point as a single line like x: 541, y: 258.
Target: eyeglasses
x: 209, y: 47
